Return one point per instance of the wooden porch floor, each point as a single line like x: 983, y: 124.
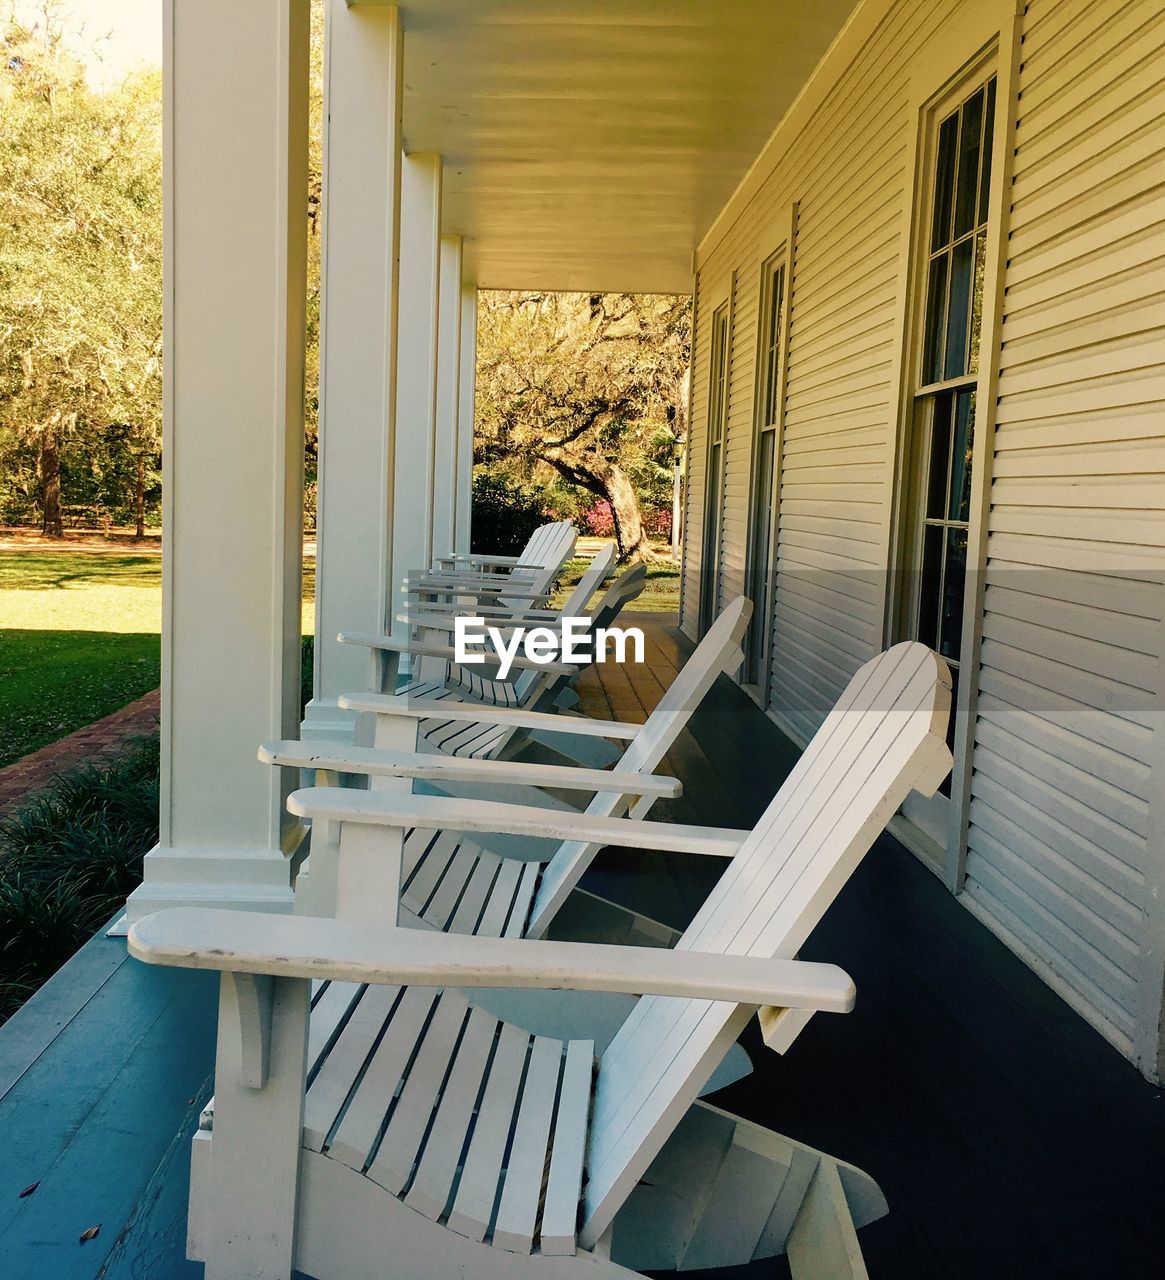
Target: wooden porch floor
x: 1010, y: 1139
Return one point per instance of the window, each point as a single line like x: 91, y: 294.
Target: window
x: 714, y: 476
x: 762, y: 518
x: 948, y: 367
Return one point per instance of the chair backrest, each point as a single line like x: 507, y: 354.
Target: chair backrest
x: 627, y: 586
x: 593, y: 577
x: 548, y: 549
x: 524, y: 688
x: 886, y: 735
x: 719, y: 651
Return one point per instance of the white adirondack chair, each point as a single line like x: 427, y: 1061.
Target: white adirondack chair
x: 502, y: 579
x: 538, y: 686
x: 435, y: 623
x: 512, y: 889
x: 396, y: 1131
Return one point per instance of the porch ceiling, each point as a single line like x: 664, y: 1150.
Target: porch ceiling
x: 589, y: 144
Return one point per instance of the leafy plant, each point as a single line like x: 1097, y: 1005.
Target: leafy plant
x: 504, y: 515
x: 68, y: 860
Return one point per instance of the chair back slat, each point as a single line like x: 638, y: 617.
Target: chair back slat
x: 719, y: 651
x: 886, y: 734
x: 593, y: 577
x: 549, y: 548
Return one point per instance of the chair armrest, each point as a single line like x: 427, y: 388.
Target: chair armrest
x: 460, y: 587
x: 425, y: 650
x: 418, y: 764
x: 440, y: 613
x: 315, y: 947
x: 405, y: 704
x: 464, y: 558
x: 447, y: 813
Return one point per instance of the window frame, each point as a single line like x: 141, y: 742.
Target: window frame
x: 716, y: 438
x: 979, y: 39
x: 756, y: 678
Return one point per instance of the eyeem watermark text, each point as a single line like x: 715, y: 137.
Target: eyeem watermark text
x: 574, y: 641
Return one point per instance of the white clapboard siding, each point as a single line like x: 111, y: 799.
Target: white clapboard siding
x: 849, y: 173
x: 1069, y: 669
x: 1069, y: 673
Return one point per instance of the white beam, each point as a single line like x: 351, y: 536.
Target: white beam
x: 358, y: 318
x: 445, y: 475
x: 235, y: 139
x: 465, y: 419
x: 416, y: 384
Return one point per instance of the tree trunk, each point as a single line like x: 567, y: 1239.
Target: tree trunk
x: 50, y: 483
x: 139, y: 500
x: 629, y: 531
x: 604, y: 479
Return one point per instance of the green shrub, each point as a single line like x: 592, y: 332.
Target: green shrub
x: 68, y: 860
x: 504, y: 515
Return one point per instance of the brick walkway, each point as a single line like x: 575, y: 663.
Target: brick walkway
x: 97, y: 741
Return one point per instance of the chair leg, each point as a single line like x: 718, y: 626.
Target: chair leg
x: 823, y: 1242
x: 258, y: 1118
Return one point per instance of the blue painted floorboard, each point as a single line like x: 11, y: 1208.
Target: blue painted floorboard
x: 100, y: 1119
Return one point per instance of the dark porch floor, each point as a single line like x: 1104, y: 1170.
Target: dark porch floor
x: 1010, y: 1139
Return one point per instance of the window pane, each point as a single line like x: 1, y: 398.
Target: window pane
x: 930, y: 584
x: 944, y: 181
x: 773, y: 344
x: 940, y: 453
x: 961, y: 454
x: 967, y: 190
x: 759, y: 585
x: 958, y: 312
x: 977, y: 301
x: 954, y: 584
x: 988, y: 134
x: 936, y: 296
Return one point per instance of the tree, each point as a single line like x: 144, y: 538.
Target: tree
x: 589, y: 387
x: 80, y: 275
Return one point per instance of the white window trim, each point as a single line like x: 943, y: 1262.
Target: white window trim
x: 778, y: 242
x: 981, y: 37
x: 722, y: 296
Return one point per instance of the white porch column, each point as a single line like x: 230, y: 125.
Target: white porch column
x: 234, y: 294
x: 416, y: 385
x: 465, y: 419
x: 358, y: 317
x: 445, y: 474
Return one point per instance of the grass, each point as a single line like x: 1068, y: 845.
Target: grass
x: 68, y: 859
x: 79, y: 639
x: 661, y: 594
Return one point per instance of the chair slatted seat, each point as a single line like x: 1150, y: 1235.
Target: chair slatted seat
x: 437, y: 870
x: 462, y: 888
x: 419, y: 1092
x: 878, y: 743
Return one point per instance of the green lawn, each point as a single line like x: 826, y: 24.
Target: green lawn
x: 79, y: 636
x: 661, y: 594
x: 78, y: 639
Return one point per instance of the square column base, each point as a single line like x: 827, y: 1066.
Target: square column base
x: 252, y: 879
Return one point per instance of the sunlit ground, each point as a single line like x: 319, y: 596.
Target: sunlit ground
x: 79, y: 635
x: 79, y: 639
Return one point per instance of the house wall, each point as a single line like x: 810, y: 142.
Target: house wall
x: 1058, y: 847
